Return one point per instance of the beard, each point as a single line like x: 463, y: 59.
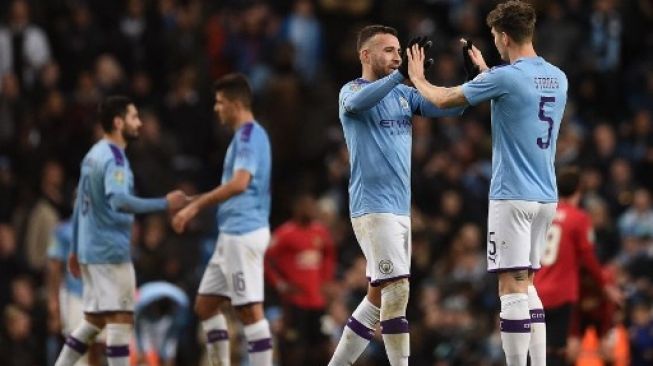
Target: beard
x: 130, y: 135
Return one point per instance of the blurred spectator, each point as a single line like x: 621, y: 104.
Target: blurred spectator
x: 18, y: 347
x: 302, y: 29
x: 45, y: 215
x: 24, y: 46
x: 300, y: 265
x: 637, y: 221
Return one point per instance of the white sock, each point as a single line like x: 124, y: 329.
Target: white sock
x: 357, y: 334
x: 260, y: 343
x: 77, y: 343
x: 515, y: 328
x: 118, y: 337
x: 394, y: 326
x: 537, y: 347
x: 217, y: 340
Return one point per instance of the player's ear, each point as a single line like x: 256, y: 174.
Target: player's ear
x: 118, y: 122
x: 364, y: 55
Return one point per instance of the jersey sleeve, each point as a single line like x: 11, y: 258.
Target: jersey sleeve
x: 248, y: 150
x: 116, y: 178
x: 357, y: 97
x: 585, y: 240
x: 487, y: 85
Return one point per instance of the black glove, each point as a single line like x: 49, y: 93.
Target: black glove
x: 471, y: 69
x: 423, y: 42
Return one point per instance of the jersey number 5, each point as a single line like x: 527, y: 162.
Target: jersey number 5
x: 544, y: 118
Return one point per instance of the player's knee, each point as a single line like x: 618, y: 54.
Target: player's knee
x: 206, y: 308
x: 250, y: 314
x: 511, y: 282
x: 394, y: 299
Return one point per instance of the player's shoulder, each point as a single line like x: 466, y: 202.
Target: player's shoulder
x: 105, y: 152
x: 252, y: 132
x: 354, y: 85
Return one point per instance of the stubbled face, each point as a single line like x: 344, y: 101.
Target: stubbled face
x: 501, y: 43
x: 225, y: 109
x: 132, y: 123
x: 382, y: 53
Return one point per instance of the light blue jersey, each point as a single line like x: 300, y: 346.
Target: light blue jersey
x: 58, y: 250
x: 249, y: 150
x: 376, y: 119
x: 105, y: 206
x: 528, y: 101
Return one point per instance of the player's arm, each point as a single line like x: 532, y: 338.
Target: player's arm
x: 121, y: 200
x: 271, y: 263
x: 73, y: 264
x: 237, y: 185
x: 355, y: 98
x: 423, y: 107
x: 328, y: 257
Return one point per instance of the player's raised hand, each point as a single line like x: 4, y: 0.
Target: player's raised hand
x: 422, y: 42
x: 177, y: 200
x: 415, y: 55
x: 73, y: 266
x: 181, y: 218
x: 473, y: 59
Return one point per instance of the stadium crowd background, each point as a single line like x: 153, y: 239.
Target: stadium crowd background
x: 166, y: 53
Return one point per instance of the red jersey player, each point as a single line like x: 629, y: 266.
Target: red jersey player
x: 300, y: 261
x: 569, y: 246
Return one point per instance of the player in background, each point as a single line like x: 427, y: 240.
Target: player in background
x: 102, y: 226
x: 235, y: 272
x: 528, y: 98
x: 161, y: 312
x: 299, y: 264
x: 375, y: 113
x: 569, y: 246
x: 65, y: 291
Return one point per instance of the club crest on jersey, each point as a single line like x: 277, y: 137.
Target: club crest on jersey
x: 119, y: 176
x: 404, y: 103
x: 386, y: 266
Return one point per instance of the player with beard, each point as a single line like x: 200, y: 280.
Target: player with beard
x: 102, y: 226
x: 375, y: 112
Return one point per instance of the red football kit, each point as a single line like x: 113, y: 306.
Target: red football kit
x: 303, y: 257
x: 570, y: 245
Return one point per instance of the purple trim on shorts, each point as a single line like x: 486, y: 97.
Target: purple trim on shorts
x: 216, y: 335
x: 508, y: 269
x: 118, y: 351
x: 358, y: 328
x: 515, y: 326
x: 377, y: 283
x: 395, y: 326
x: 76, y: 344
x: 260, y: 345
x: 537, y: 316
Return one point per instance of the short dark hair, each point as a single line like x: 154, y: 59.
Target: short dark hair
x: 111, y: 107
x: 515, y: 18
x: 370, y: 31
x: 235, y: 87
x: 568, y: 181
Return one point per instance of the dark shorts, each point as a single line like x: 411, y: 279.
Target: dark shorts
x: 303, y: 326
x: 558, y: 322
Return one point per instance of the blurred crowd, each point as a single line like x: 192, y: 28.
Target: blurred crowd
x: 59, y: 58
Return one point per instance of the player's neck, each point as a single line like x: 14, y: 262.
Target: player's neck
x: 116, y: 139
x: 369, y: 75
x: 242, y: 118
x: 519, y: 51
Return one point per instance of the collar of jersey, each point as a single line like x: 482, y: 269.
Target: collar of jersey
x: 534, y: 58
x: 363, y: 81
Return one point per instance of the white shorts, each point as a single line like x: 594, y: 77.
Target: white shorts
x: 70, y: 310
x: 108, y: 287
x: 386, y: 243
x: 236, y: 267
x: 517, y: 234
